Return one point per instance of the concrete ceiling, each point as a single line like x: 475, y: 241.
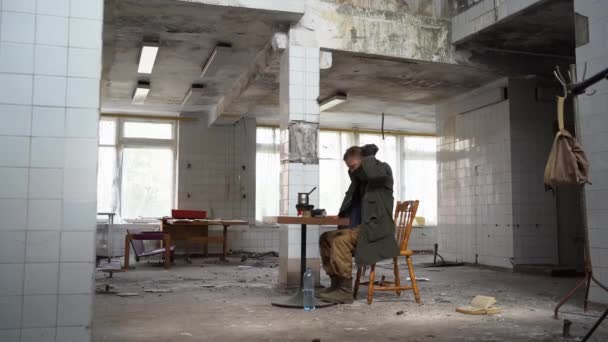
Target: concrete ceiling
x: 545, y: 28
x: 187, y: 32
x: 405, y: 91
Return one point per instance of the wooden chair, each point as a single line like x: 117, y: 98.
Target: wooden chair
x: 405, y: 212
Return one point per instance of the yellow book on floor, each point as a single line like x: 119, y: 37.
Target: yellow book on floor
x: 480, y: 305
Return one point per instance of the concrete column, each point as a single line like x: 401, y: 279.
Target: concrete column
x: 50, y: 67
x: 299, y: 91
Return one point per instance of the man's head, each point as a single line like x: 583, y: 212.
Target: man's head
x: 352, y: 157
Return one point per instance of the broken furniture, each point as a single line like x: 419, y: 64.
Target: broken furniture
x: 405, y: 212
x: 296, y: 300
x: 107, y: 244
x: 136, y: 240
x: 196, y: 231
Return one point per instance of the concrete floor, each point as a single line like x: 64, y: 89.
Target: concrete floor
x: 212, y: 301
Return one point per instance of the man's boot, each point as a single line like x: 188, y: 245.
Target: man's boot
x: 334, y: 285
x: 342, y: 295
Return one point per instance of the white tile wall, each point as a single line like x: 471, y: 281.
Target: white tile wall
x: 493, y: 207
x: 16, y: 58
x: 10, y: 335
x: 13, y: 182
x: 12, y: 247
x: 215, y: 180
x: 10, y: 312
x: 77, y: 246
x: 16, y: 120
x: 16, y: 89
x: 593, y: 128
x: 42, y: 246
x: 48, y: 121
x: 49, y: 91
x: 38, y: 335
x: 69, y: 334
x: 17, y: 27
x: 19, y: 5
x: 45, y: 183
x: 47, y: 224
x: 52, y: 30
x: 39, y: 311
x: 41, y: 279
x: 76, y: 278
x: 13, y: 213
x: 474, y: 218
x: 83, y: 93
x: 85, y: 33
x: 74, y: 310
x: 13, y: 285
x: 53, y: 7
x: 47, y: 152
x: 51, y: 60
x: 44, y: 214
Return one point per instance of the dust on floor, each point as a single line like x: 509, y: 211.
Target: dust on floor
x: 215, y: 301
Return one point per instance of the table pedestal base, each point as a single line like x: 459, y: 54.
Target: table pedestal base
x: 296, y: 301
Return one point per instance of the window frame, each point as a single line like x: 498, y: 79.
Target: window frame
x: 399, y: 172
x: 121, y: 143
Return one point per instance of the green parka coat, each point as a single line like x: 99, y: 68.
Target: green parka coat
x: 376, y: 239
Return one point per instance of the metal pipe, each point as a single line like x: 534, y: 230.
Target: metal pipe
x: 579, y: 88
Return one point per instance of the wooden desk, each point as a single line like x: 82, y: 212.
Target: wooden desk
x: 296, y: 300
x: 197, y: 231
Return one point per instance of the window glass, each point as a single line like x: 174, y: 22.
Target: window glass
x: 147, y: 182
x: 148, y: 130
x: 106, y: 175
x: 412, y: 160
x: 420, y: 175
x: 107, y: 132
x: 333, y: 173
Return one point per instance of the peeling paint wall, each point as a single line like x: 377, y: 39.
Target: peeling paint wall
x: 392, y: 28
x: 303, y: 146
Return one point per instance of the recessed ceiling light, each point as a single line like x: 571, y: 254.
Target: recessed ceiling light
x: 332, y: 101
x: 149, y: 51
x: 141, y: 92
x: 195, y: 91
x: 211, y: 58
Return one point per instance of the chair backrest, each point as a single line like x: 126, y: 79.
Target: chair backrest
x: 138, y: 245
x: 405, y: 213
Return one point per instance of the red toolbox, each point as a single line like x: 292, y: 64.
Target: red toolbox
x: 188, y: 214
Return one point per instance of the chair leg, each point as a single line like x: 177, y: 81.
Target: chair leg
x: 357, y: 282
x: 370, y: 288
x: 397, y: 279
x: 410, y: 267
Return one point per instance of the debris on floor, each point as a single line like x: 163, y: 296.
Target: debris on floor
x: 198, y: 293
x: 127, y: 294
x: 419, y: 279
x: 480, y: 305
x: 158, y: 290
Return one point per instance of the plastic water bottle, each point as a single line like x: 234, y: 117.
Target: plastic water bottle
x: 308, y: 291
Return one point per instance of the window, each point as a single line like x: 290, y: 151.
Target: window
x: 267, y: 165
x: 136, y: 176
x: 412, y: 160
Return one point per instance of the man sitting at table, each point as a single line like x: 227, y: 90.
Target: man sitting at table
x: 372, y: 237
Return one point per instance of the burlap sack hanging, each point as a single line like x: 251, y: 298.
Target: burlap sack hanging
x: 567, y: 163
